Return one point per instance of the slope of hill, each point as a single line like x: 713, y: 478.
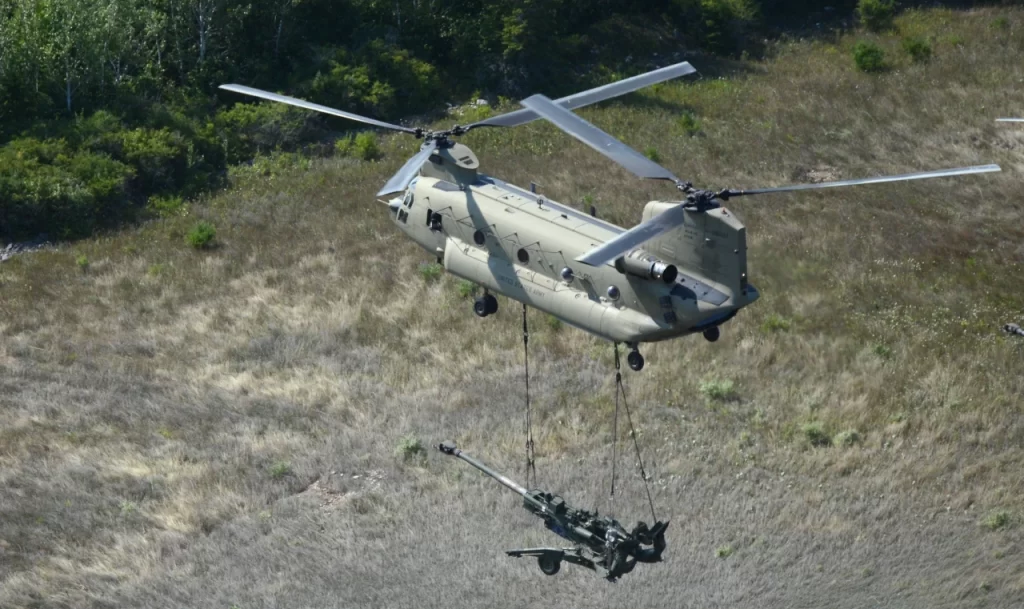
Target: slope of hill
x: 250, y: 425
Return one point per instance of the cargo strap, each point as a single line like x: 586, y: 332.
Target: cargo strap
x: 530, y: 467
x: 621, y: 390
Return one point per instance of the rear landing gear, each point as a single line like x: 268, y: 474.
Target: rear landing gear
x: 635, y: 360
x: 712, y: 334
x: 485, y: 305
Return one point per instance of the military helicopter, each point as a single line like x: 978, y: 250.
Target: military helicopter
x: 689, y: 276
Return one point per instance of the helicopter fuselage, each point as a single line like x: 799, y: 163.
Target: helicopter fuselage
x: 522, y: 245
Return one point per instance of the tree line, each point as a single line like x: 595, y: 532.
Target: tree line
x: 109, y: 108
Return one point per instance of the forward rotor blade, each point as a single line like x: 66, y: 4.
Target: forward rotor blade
x: 597, y: 139
x: 1010, y: 120
x: 943, y: 173
x: 291, y: 101
x: 634, y: 237
x: 592, y: 96
x: 400, y: 180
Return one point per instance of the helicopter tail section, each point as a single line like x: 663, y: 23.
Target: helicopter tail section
x: 712, y: 242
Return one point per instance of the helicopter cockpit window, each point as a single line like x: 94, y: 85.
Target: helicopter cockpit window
x: 408, y: 199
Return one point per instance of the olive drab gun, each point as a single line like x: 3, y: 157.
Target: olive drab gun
x: 599, y: 542
x: 681, y: 271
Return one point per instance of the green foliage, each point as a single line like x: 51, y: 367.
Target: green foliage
x: 362, y: 146
x: 869, y: 57
x: 689, y: 123
x: 918, y: 49
x: 876, y: 15
x: 846, y: 438
x: 431, y: 272
x: 82, y: 262
x: 775, y: 323
x: 167, y: 206
x: 1000, y: 23
x: 724, y: 551
x: 996, y: 520
x: 466, y: 288
x: 410, y: 447
x: 718, y: 390
x: 553, y: 322
x: 882, y: 351
x: 248, y: 130
x: 201, y: 235
x: 816, y: 434
x: 652, y: 153
x: 280, y: 469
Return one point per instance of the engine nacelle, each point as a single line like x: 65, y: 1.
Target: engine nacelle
x: 641, y: 264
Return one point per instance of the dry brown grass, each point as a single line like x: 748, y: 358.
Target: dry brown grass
x: 218, y: 428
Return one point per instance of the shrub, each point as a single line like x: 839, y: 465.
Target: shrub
x: 689, y: 123
x: 876, y: 15
x: 167, y: 206
x: 718, y: 390
x: 251, y: 129
x: 775, y: 323
x: 410, y: 447
x: 869, y: 57
x: 996, y: 520
x: 466, y: 288
x: 431, y: 271
x: 83, y: 262
x: 816, y: 434
x: 159, y: 156
x: 847, y: 438
x: 280, y: 469
x: 202, y: 235
x: 652, y: 153
x: 362, y: 146
x: 882, y: 351
x: 918, y: 49
x: 1000, y: 23
x: 724, y: 551
x: 553, y: 322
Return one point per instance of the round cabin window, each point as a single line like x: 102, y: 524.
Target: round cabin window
x: 478, y: 237
x: 613, y: 292
x: 523, y: 255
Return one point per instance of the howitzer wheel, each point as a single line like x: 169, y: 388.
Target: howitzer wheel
x: 549, y: 563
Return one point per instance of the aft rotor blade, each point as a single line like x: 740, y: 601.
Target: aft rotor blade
x: 291, y: 101
x: 943, y: 173
x: 400, y: 180
x: 592, y: 96
x: 634, y: 237
x: 598, y: 140
x: 1010, y: 120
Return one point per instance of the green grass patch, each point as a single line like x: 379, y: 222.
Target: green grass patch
x: 815, y: 433
x: 917, y: 49
x: 410, y: 447
x: 847, y: 438
x: 201, y: 235
x: 431, y: 271
x: 996, y: 520
x: 465, y: 288
x: 724, y: 551
x: 280, y: 469
x: 869, y: 57
x: 775, y: 323
x: 718, y: 390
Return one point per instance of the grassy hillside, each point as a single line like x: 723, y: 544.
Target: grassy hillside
x: 238, y: 426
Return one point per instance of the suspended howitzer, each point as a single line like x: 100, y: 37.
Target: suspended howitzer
x: 600, y: 541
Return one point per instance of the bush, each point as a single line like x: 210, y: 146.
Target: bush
x: 167, y: 206
x: 718, y: 390
x: 996, y: 520
x: 775, y: 323
x: 466, y: 288
x: 918, y: 49
x: 201, y: 236
x: 280, y: 469
x: 248, y: 130
x: 431, y: 272
x: 652, y: 153
x: 362, y: 146
x: 869, y: 57
x: 816, y: 434
x: 410, y: 447
x: 847, y: 438
x: 876, y: 15
x: 689, y: 123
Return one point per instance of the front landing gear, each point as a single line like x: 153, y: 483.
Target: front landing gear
x: 635, y: 360
x: 485, y: 305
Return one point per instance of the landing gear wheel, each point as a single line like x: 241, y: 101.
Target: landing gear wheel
x: 480, y: 307
x: 712, y: 334
x: 635, y: 361
x: 492, y: 304
x: 549, y: 564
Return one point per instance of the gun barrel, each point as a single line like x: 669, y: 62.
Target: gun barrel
x: 449, y: 448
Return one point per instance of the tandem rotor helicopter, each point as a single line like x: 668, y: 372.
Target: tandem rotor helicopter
x: 681, y: 271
